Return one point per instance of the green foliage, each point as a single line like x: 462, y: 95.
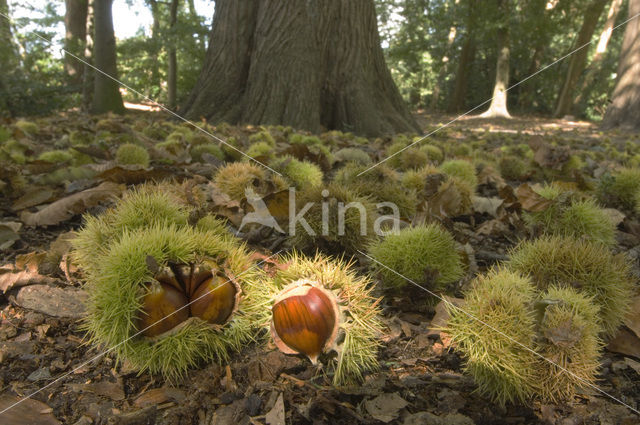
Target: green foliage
x: 586, y: 266
x: 130, y: 154
x: 463, y: 170
x: 425, y: 254
x: 569, y: 215
x: 493, y: 330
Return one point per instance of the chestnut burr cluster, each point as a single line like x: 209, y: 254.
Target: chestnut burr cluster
x: 180, y: 291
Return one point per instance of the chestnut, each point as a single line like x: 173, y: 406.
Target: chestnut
x: 305, y: 319
x: 214, y: 299
x: 158, y: 305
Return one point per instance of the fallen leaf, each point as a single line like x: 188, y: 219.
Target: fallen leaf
x: 441, y: 317
x: 276, y: 416
x: 27, y: 412
x: 530, y: 199
x: 112, y: 390
x: 616, y: 216
x: 159, y: 396
x: 386, y: 407
x: 625, y: 342
x: 35, y: 196
x: 9, y: 233
x: 10, y: 277
x: 486, y: 205
x: 71, y: 205
x: 633, y: 318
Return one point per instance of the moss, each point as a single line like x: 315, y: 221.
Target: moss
x: 261, y: 151
x: 356, y: 232
x: 361, y: 327
x: 56, y: 157
x: 30, y: 128
x: 568, y: 330
x: 586, y: 266
x: 233, y: 179
x: 463, y: 170
x: 355, y: 155
x: 425, y: 254
x: 198, y: 151
x: 513, y: 168
x: 570, y: 215
x: 380, y: 184
x: 301, y: 174
x: 492, y: 330
x: 130, y: 154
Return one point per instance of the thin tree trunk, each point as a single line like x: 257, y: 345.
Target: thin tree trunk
x: 624, y: 110
x: 8, y: 57
x: 601, y: 49
x: 88, y: 73
x: 467, y: 55
x: 154, y: 50
x: 106, y: 94
x: 75, y: 22
x: 202, y: 42
x: 498, y: 107
x: 173, y: 61
x: 310, y: 65
x: 578, y: 60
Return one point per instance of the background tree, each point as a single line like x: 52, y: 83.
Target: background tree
x: 172, y: 70
x: 106, y: 94
x: 8, y: 55
x: 498, y: 106
x: 305, y: 64
x: 467, y: 54
x: 75, y: 23
x: 625, y: 106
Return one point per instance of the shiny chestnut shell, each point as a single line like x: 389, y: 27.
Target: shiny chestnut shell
x: 162, y: 309
x: 305, y: 320
x: 214, y: 300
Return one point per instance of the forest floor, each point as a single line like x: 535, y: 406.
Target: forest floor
x: 421, y: 380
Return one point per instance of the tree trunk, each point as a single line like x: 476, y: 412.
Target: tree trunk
x: 75, y: 23
x: 106, y: 93
x: 578, y: 60
x: 311, y: 65
x: 498, y: 107
x: 467, y: 54
x: 172, y: 76
x: 624, y: 110
x: 8, y: 57
x: 88, y: 73
x: 601, y: 49
x: 155, y: 47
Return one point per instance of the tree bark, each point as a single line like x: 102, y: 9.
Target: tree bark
x: 155, y: 46
x: 498, y: 107
x: 8, y: 57
x: 106, y: 94
x: 172, y: 76
x: 311, y: 65
x: 578, y: 60
x: 624, y: 110
x: 467, y: 54
x: 75, y: 23
x: 88, y: 73
x: 601, y: 49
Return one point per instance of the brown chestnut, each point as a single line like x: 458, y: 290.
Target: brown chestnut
x: 214, y: 300
x: 305, y: 320
x: 158, y: 305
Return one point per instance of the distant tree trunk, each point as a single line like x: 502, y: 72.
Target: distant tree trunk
x: 624, y: 110
x: 106, y: 93
x: 173, y: 61
x: 467, y: 55
x: 75, y: 23
x: 8, y: 57
x: 310, y: 65
x: 498, y: 107
x: 605, y: 36
x: 155, y: 47
x: 578, y: 60
x: 88, y: 73
x: 202, y: 42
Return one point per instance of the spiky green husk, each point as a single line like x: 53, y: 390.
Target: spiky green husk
x: 413, y: 158
x: 425, y: 254
x: 302, y: 174
x: 463, y: 170
x: 587, y: 266
x: 131, y: 154
x: 380, y: 184
x: 334, y: 241
x: 434, y: 153
x: 28, y: 127
x: 144, y: 206
x: 570, y: 216
x: 416, y: 179
x: 392, y: 152
x: 502, y: 369
x: 568, y: 336
x: 56, y: 156
x: 622, y: 187
x: 116, y: 292
x: 512, y: 168
x: 233, y: 179
x: 361, y: 329
x: 355, y: 155
x: 198, y: 151
x: 261, y: 151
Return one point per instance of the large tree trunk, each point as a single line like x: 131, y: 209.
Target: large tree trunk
x: 75, y: 23
x: 578, y: 60
x: 310, y: 65
x: 498, y: 107
x: 106, y: 94
x: 624, y: 110
x: 467, y: 55
x: 172, y: 74
x: 8, y: 57
x: 88, y: 73
x: 601, y: 49
x: 155, y: 47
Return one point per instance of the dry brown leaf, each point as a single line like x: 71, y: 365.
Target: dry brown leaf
x: 633, y: 318
x: 276, y: 416
x: 71, y: 205
x: 12, y: 277
x: 441, y: 317
x: 386, y: 407
x: 112, y: 390
x: 489, y: 206
x: 9, y: 233
x: 27, y: 412
x: 159, y: 396
x: 625, y: 342
x: 530, y: 199
x: 549, y: 156
x: 35, y: 196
